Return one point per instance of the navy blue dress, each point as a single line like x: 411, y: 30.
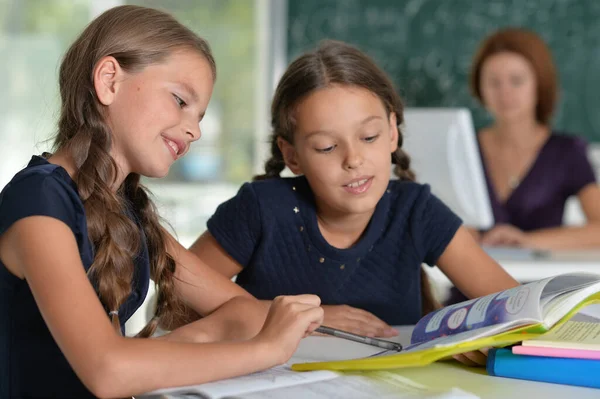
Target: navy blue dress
x: 270, y: 228
x: 31, y: 364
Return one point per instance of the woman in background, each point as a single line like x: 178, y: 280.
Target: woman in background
x: 530, y: 169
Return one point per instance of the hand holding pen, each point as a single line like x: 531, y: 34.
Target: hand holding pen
x: 360, y: 338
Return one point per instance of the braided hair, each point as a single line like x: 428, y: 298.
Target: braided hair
x: 336, y: 63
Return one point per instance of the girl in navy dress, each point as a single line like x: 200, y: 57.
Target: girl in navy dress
x: 342, y: 229
x: 80, y: 239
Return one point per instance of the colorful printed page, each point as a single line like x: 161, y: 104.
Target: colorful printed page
x: 543, y: 302
x: 475, y: 326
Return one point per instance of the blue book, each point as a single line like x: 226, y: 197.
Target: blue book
x: 580, y: 372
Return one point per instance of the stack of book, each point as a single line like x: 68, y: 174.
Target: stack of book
x: 569, y: 354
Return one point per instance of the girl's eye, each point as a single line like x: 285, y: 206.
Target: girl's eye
x: 180, y: 102
x: 371, y: 139
x: 325, y: 150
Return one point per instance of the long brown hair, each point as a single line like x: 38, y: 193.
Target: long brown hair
x: 336, y: 63
x: 530, y: 46
x: 136, y: 37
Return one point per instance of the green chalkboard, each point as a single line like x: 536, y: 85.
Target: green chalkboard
x: 426, y: 46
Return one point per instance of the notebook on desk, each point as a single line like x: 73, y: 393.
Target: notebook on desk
x: 281, y: 382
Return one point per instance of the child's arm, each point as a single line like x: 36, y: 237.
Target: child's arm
x: 229, y: 312
x: 344, y: 317
x: 211, y: 253
x: 43, y: 250
x: 475, y: 274
x: 471, y: 270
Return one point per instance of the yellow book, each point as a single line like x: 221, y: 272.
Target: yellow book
x: 504, y: 318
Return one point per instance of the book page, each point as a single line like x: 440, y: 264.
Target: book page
x: 381, y: 384
x: 566, y: 283
x: 491, y: 313
x: 276, y: 377
x: 544, y: 301
x: 558, y: 307
x: 571, y: 335
x: 588, y: 313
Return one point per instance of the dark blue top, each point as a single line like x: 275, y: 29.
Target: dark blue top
x: 561, y: 169
x: 270, y: 228
x: 31, y: 364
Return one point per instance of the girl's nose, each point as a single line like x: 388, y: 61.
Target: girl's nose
x: 353, y: 159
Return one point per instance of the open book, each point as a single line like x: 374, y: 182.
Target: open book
x: 582, y: 331
x: 500, y: 319
x: 282, y: 382
x: 577, y: 338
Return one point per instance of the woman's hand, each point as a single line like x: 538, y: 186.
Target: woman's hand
x: 290, y: 319
x: 473, y: 359
x: 505, y: 234
x: 357, y: 321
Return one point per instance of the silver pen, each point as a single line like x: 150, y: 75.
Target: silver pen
x: 394, y: 346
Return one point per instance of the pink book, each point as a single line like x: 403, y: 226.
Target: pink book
x: 556, y: 352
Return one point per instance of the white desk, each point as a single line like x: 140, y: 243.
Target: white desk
x: 525, y: 268
x: 443, y: 375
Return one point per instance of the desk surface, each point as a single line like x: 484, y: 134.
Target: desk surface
x: 525, y: 267
x: 442, y: 375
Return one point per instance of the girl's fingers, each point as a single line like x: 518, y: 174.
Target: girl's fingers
x: 312, y: 327
x: 464, y: 360
x: 475, y: 358
x: 378, y: 326
x: 307, y: 299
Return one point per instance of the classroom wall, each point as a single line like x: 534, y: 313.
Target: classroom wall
x: 427, y: 45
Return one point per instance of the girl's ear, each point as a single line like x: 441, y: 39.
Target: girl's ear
x: 107, y: 74
x: 289, y: 155
x: 393, y: 132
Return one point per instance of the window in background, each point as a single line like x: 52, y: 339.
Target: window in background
x: 34, y: 34
x: 225, y: 156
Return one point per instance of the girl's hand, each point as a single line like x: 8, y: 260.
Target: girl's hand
x: 290, y: 319
x: 357, y: 321
x: 473, y: 359
x: 505, y: 234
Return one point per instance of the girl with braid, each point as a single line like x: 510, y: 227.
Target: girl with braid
x: 80, y: 238
x: 341, y: 228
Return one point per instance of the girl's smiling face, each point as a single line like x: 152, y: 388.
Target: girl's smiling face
x: 343, y: 143
x: 154, y: 114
